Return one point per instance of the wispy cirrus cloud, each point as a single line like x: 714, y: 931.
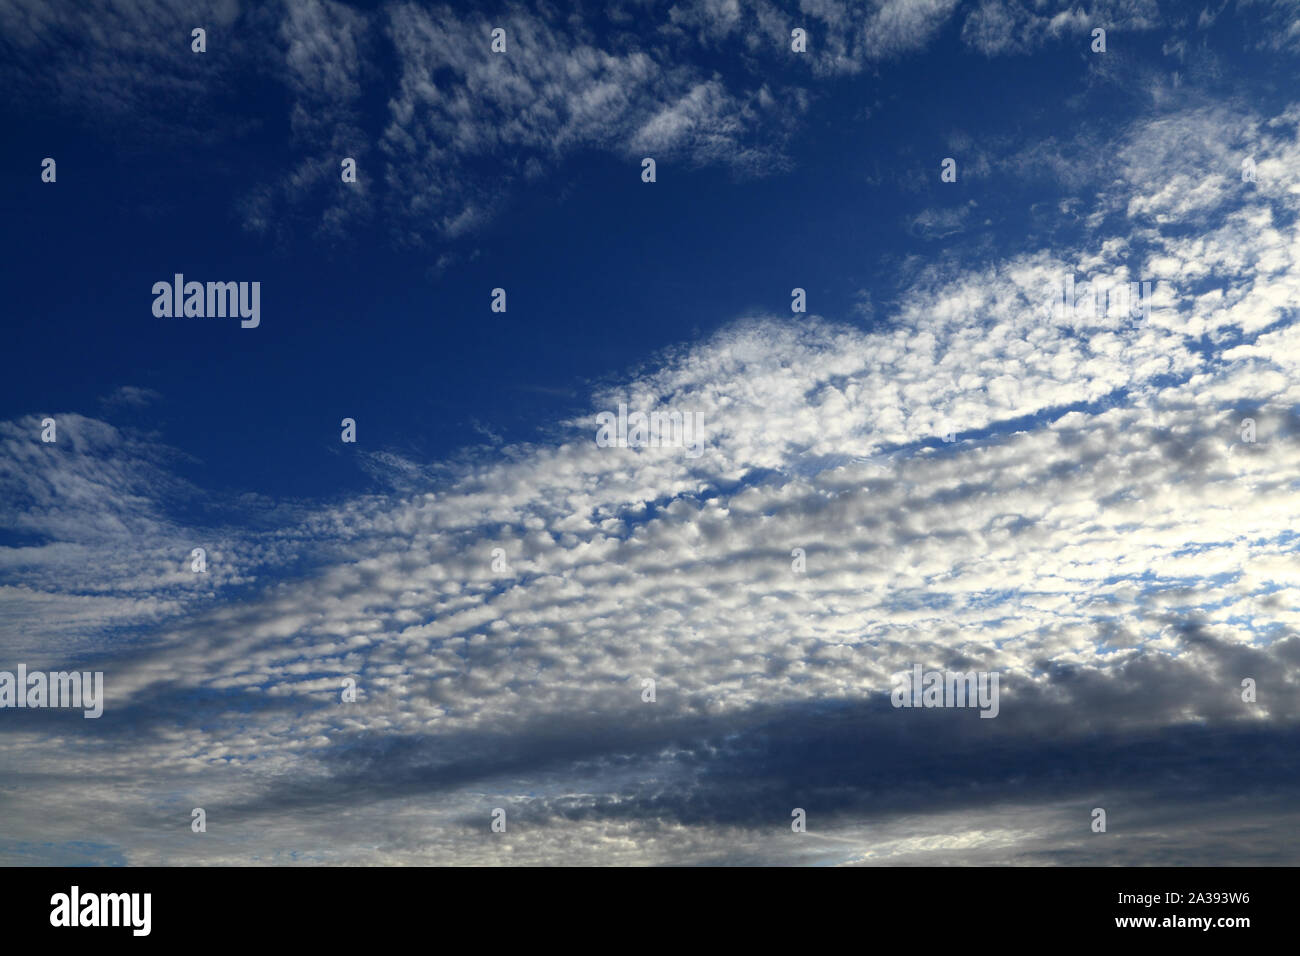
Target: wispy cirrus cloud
x: 465, y: 120
x: 112, y: 59
x: 1002, y: 27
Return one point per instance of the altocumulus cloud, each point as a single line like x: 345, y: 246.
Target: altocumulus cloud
x: 1099, y: 533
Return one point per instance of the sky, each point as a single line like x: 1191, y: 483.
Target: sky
x: 929, y: 466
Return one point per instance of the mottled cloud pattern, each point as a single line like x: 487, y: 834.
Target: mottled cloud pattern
x: 1098, y: 532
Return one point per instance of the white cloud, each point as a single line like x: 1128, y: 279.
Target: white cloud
x: 1000, y: 27
x: 1098, y: 494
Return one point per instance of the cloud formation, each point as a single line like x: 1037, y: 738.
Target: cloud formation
x: 1099, y: 532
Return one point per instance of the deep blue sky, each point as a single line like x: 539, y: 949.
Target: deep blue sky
x: 602, y: 271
